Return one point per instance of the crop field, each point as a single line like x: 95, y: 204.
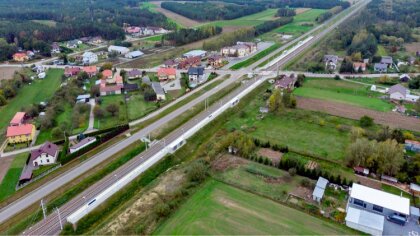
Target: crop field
x: 298, y: 25
x: 342, y: 91
x: 11, y: 178
x: 34, y: 93
x: 247, y: 21
x: 219, y: 209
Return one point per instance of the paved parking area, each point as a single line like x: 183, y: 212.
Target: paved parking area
x: 172, y: 85
x: 411, y: 228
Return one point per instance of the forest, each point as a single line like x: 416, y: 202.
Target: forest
x: 184, y: 36
x: 292, y: 3
x: 35, y: 24
x: 211, y: 11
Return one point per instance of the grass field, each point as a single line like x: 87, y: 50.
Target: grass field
x: 247, y: 21
x: 381, y: 51
x: 342, y: 91
x: 109, y: 121
x: 138, y: 107
x: 155, y: 38
x: 11, y: 178
x: 49, y: 23
x: 296, y: 26
x: 38, y: 91
x: 219, y: 209
x: 255, y: 58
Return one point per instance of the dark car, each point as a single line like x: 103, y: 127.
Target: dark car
x: 396, y: 219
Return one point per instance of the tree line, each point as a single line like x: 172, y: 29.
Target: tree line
x: 293, y: 3
x: 185, y: 36
x: 208, y: 11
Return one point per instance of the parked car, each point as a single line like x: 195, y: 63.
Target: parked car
x: 396, y: 219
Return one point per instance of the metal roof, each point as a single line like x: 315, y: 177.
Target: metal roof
x: 365, y: 218
x: 381, y: 198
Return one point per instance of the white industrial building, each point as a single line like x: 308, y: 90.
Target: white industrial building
x: 89, y: 58
x: 118, y: 49
x: 134, y: 54
x: 195, y: 53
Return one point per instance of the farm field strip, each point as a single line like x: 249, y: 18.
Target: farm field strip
x: 218, y: 208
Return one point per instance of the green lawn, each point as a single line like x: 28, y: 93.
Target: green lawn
x: 381, y: 51
x: 219, y: 209
x: 250, y: 20
x: 343, y: 91
x: 11, y: 178
x: 109, y: 121
x: 255, y: 58
x: 38, y: 91
x: 138, y: 107
x: 155, y: 38
x: 298, y: 25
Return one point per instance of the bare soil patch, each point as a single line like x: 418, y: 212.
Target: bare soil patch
x: 369, y: 182
x: 303, y: 192
x: 311, y: 165
x: 4, y: 166
x: 184, y: 21
x: 412, y: 47
x: 391, y: 119
x: 227, y: 161
x: 274, y: 156
x: 7, y: 72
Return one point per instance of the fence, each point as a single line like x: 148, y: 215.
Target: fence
x: 19, y: 186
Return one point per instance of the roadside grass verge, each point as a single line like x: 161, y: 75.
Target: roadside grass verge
x: 343, y: 91
x: 11, y: 178
x: 221, y: 209
x: 255, y: 58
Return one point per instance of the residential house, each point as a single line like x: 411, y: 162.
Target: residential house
x: 110, y: 89
x: 400, y: 93
x: 160, y: 93
x: 132, y: 30
x: 387, y: 60
x: 367, y: 208
x: 195, y: 53
x: 20, y: 57
x: 134, y: 54
x: 166, y: 74
x: 286, y: 82
x: 45, y: 155
x: 359, y: 66
x: 380, y: 67
x: 134, y: 74
x: 38, y: 69
x: 18, y: 131
x: 331, y: 62
x: 412, y: 145
x: 90, y: 70
x: 82, y: 144
x: 73, y: 44
x: 96, y: 40
x: 55, y: 48
x: 215, y: 61
x: 404, y: 78
x: 30, y: 54
x: 241, y: 49
x: 89, y: 58
x: 84, y: 98
x: 319, y: 190
x: 196, y: 76
x: 118, y: 49
x: 170, y: 63
x: 107, y: 74
x: 188, y: 62
x: 71, y: 71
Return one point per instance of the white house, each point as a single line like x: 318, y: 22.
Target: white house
x: 400, y: 93
x: 118, y: 49
x: 368, y: 207
x: 160, y: 93
x: 89, y: 58
x: 45, y: 155
x: 82, y: 144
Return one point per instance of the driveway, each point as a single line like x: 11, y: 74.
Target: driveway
x: 172, y: 85
x: 411, y: 228
x: 91, y: 115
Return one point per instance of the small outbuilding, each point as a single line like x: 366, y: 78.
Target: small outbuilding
x: 319, y: 190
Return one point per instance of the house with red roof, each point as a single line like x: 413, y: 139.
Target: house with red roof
x: 166, y: 74
x: 110, y: 89
x: 107, y: 74
x: 20, y: 134
x: 71, y: 71
x: 90, y: 70
x: 17, y: 119
x: 20, y: 57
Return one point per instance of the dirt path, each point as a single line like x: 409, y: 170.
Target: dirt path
x: 393, y: 120
x: 182, y: 20
x: 4, y: 166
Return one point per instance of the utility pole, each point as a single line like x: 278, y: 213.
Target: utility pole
x: 44, y: 210
x: 59, y: 218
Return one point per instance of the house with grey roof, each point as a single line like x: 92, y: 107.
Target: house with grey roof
x: 196, y: 76
x: 400, y: 93
x: 82, y: 144
x: 319, y: 190
x: 331, y: 62
x: 387, y: 60
x: 45, y: 155
x: 380, y: 67
x: 134, y: 74
x: 286, y: 82
x: 160, y: 93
